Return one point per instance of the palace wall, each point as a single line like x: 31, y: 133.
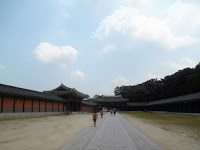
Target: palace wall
x: 87, y: 108
x: 19, y: 105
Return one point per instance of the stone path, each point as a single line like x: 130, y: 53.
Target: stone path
x: 111, y: 133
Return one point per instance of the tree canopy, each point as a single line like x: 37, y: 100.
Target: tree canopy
x: 182, y: 82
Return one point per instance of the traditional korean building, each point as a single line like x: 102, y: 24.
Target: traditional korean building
x: 112, y: 102
x: 16, y: 100
x: 189, y: 103
x: 61, y: 99
x: 88, y: 105
x: 71, y: 95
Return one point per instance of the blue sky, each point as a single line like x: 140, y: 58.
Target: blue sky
x: 96, y: 45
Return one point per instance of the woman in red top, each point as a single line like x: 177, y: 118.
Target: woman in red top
x: 95, y: 116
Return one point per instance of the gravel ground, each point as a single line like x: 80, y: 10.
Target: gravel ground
x: 45, y: 133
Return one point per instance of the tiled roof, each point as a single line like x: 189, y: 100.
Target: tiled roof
x: 183, y: 98
x: 16, y: 91
x: 136, y: 104
x: 111, y: 99
x: 66, y: 90
x: 90, y: 103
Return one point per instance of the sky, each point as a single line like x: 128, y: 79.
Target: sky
x: 96, y: 45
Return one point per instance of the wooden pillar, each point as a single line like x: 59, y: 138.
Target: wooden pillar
x: 178, y: 105
x: 45, y: 106
x: 39, y: 105
x: 52, y: 106
x: 72, y: 106
x: 184, y: 108
x: 2, y: 98
x: 32, y: 105
x: 172, y: 108
x: 189, y: 107
x: 181, y: 107
x: 14, y: 105
x: 23, y: 103
x: 58, y: 107
x: 175, y: 107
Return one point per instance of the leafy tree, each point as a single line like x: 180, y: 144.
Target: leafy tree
x: 96, y: 96
x: 182, y: 82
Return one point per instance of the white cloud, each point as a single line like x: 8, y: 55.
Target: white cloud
x: 184, y: 18
x: 182, y: 63
x: 77, y: 75
x: 120, y: 81
x: 129, y: 21
x: 138, y: 2
x: 153, y: 76
x: 2, y: 67
x: 62, y: 56
x: 108, y: 48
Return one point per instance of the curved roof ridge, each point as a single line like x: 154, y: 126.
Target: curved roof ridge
x: 7, y: 89
x: 72, y: 90
x: 115, y: 96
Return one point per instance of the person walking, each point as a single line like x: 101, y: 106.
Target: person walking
x: 111, y: 112
x: 114, y: 112
x: 95, y: 116
x: 102, y: 113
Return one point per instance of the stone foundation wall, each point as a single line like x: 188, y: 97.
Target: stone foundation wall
x: 6, y: 116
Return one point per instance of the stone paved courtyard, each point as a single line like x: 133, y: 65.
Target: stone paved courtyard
x: 111, y: 133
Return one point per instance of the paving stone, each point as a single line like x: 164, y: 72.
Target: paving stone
x: 111, y: 133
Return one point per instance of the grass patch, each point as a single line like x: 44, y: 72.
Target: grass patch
x: 184, y: 125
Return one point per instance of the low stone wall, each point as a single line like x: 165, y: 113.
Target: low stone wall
x: 7, y: 116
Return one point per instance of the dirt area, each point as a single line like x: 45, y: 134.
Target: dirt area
x: 45, y: 133
x: 169, y: 136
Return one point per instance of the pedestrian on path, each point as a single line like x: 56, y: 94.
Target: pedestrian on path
x: 111, y: 112
x: 95, y: 116
x: 114, y: 112
x: 102, y: 113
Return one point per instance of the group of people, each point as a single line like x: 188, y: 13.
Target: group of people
x: 95, y: 115
x: 113, y: 111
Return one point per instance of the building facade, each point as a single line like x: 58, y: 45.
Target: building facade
x: 71, y: 95
x: 64, y: 99
x: 19, y: 100
x: 189, y: 103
